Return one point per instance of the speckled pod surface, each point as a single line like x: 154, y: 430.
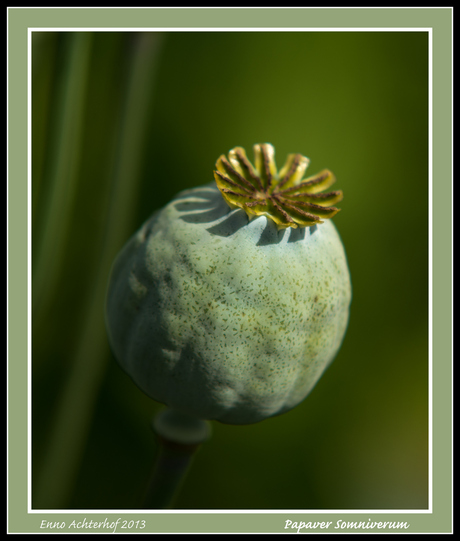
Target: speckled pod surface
x: 223, y: 317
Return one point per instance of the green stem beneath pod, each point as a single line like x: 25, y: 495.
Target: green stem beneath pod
x: 179, y: 437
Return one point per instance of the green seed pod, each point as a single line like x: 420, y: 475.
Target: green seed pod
x: 233, y: 314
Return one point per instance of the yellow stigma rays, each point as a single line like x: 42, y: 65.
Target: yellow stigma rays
x: 285, y: 196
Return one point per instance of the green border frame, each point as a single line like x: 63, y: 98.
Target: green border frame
x: 440, y: 22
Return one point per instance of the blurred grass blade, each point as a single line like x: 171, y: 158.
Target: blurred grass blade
x: 64, y: 158
x: 76, y: 404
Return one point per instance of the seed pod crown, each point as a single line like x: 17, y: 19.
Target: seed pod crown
x: 283, y: 196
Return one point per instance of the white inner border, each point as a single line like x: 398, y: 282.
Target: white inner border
x: 366, y: 512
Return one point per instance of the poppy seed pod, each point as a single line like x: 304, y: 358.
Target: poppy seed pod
x: 231, y: 301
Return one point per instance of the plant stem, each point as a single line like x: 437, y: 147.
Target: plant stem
x: 63, y: 172
x: 70, y: 427
x: 179, y: 437
x: 171, y: 466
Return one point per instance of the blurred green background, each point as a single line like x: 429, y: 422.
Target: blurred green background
x: 123, y: 121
